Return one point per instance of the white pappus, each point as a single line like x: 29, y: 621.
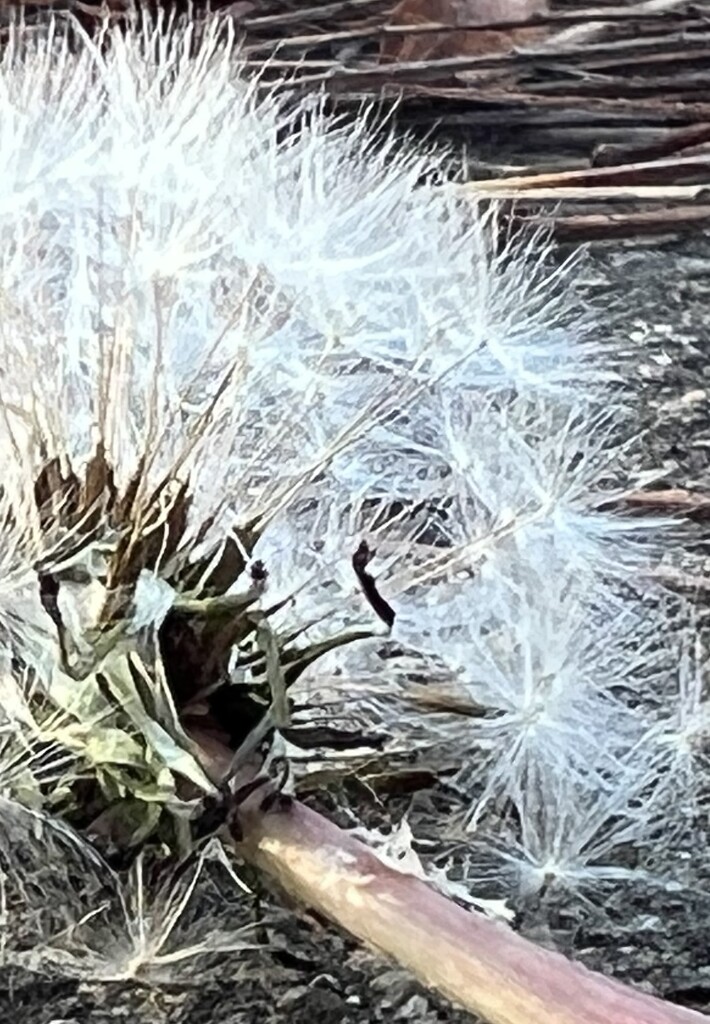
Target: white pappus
x: 306, y: 318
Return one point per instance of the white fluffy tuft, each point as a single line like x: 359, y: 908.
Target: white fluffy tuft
x: 298, y: 314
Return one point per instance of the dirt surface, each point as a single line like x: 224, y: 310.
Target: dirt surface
x: 327, y: 980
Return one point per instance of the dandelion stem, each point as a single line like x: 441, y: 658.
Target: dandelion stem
x: 475, y: 961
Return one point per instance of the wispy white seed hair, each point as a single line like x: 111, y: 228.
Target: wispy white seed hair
x: 570, y: 835
x: 303, y: 319
x: 81, y: 920
x: 206, y: 280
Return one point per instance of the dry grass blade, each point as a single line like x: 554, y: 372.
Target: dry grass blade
x: 652, y: 174
x: 590, y: 194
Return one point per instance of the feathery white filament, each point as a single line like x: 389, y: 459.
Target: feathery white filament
x: 293, y: 313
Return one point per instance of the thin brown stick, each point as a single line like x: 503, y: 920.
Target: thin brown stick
x: 593, y: 193
x: 656, y: 172
x: 304, y: 13
x: 607, y: 54
x: 477, y: 962
x: 364, y: 33
x: 673, y: 142
x: 670, y: 501
x: 600, y: 227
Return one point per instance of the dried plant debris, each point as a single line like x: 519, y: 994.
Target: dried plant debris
x: 361, y: 559
x: 145, y: 669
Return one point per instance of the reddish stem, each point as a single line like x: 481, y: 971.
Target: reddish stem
x: 480, y: 963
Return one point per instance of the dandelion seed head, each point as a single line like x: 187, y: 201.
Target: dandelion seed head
x: 269, y: 335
